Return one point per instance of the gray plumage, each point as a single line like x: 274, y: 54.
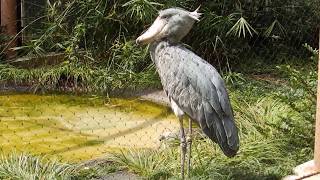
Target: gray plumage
x: 199, y: 91
x: 193, y: 86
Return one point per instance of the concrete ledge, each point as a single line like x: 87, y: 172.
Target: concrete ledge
x: 305, y: 171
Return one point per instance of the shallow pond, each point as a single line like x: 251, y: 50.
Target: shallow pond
x: 76, y: 128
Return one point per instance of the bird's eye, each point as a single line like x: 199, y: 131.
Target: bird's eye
x: 165, y: 16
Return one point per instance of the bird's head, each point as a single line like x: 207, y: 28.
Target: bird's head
x: 171, y: 24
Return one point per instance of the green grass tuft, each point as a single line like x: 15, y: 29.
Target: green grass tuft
x: 147, y: 163
x: 270, y: 145
x: 24, y: 166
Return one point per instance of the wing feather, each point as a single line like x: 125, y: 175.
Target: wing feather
x: 200, y: 92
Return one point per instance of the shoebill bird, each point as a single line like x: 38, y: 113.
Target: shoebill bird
x: 193, y: 86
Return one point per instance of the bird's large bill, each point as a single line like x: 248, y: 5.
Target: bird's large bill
x: 153, y: 32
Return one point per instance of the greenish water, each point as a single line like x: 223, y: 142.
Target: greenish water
x: 75, y: 128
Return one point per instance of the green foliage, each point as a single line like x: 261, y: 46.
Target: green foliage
x: 147, y: 163
x: 233, y: 78
x: 315, y: 52
x: 300, y: 96
x: 274, y: 138
x: 273, y: 27
x: 103, y: 22
x: 267, y: 151
x: 98, y: 40
x: 24, y: 166
x: 302, y: 84
x: 270, y: 32
x: 99, y: 35
x: 94, y: 170
x: 274, y: 135
x: 241, y: 27
x: 70, y: 76
x: 142, y: 10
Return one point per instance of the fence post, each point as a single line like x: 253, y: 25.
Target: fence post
x: 317, y: 134
x: 9, y: 23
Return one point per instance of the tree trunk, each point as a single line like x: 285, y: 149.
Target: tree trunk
x: 9, y: 24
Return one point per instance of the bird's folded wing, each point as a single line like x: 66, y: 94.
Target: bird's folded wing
x: 200, y: 92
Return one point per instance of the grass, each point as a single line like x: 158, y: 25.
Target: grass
x: 146, y: 163
x: 72, y: 77
x: 95, y: 170
x: 275, y: 136
x: 275, y: 119
x: 265, y: 151
x: 24, y: 166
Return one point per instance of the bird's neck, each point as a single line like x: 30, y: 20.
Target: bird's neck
x: 156, y: 47
x: 163, y: 42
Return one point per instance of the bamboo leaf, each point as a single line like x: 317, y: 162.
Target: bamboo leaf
x: 274, y: 25
x: 241, y: 27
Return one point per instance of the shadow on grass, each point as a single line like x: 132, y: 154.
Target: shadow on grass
x: 225, y: 173
x: 240, y: 174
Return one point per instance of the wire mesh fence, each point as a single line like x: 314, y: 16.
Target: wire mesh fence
x: 81, y: 128
x: 265, y: 51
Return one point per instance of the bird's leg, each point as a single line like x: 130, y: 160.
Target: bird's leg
x: 189, y: 141
x: 183, y: 146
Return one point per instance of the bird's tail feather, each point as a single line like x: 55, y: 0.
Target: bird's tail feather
x: 230, y: 143
x: 222, y: 131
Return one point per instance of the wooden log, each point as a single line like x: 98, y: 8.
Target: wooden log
x: 9, y: 23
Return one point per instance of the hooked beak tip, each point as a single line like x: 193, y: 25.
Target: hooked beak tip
x: 139, y: 41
